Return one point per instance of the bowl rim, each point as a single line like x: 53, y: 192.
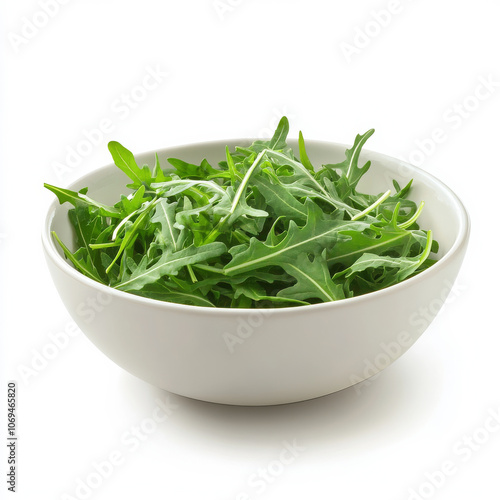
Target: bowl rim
x: 460, y: 242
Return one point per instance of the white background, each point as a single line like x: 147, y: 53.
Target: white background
x: 234, y: 67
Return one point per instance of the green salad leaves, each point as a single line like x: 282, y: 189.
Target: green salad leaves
x: 261, y: 229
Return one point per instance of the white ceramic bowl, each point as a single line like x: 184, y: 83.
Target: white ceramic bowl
x: 256, y: 357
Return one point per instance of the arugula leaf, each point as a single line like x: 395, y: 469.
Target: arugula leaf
x: 85, y: 266
x: 262, y: 229
x: 190, y: 171
x: 164, y: 215
x: 125, y: 161
x: 132, y: 203
x: 316, y: 235
x: 303, y: 155
x: 169, y: 264
x: 174, y: 290
x: 81, y: 198
x: 280, y: 199
x: 350, y: 173
x: 278, y: 140
x: 131, y: 232
x: 258, y: 294
x: 394, y: 269
x: 89, y: 224
x: 376, y: 241
x: 313, y: 280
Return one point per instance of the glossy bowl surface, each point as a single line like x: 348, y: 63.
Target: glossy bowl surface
x: 262, y: 357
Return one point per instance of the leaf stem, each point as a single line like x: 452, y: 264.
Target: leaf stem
x: 245, y: 180
x: 129, y: 237
x: 216, y: 230
x: 211, y: 269
x: 122, y: 223
x: 298, y: 165
x: 411, y: 220
x: 372, y: 206
x: 193, y: 277
x: 231, y: 167
x: 112, y: 244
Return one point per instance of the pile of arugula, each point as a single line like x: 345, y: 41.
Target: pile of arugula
x: 264, y: 229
